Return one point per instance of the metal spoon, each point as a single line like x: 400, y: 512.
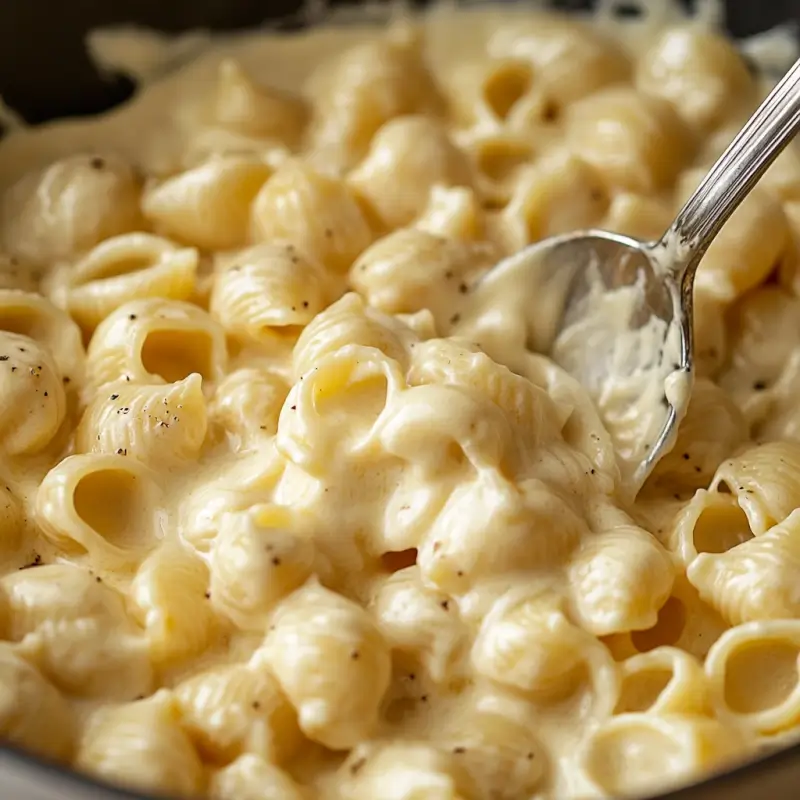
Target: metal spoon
x: 616, y: 312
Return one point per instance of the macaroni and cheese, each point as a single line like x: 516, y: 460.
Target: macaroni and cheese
x: 279, y: 519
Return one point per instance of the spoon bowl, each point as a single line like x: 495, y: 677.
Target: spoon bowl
x: 616, y: 312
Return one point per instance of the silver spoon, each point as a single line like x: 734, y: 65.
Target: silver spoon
x: 616, y: 312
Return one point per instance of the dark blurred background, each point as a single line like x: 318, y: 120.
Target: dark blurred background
x: 45, y: 73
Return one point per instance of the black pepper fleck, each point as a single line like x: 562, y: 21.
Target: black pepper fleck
x: 97, y: 163
x: 759, y: 386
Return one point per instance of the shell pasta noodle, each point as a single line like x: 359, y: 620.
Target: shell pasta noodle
x: 289, y: 512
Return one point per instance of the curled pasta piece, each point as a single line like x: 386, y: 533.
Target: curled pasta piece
x: 684, y: 621
x: 161, y: 425
x: 634, y: 141
x: 494, y: 93
x: 766, y: 482
x: 526, y: 643
x: 132, y: 266
x: 453, y: 212
x: 493, y: 740
x: 350, y: 321
x: 421, y: 623
x: 489, y: 526
x: 712, y: 522
x: 560, y: 193
x: 331, y: 662
x: 447, y: 427
x: 76, y: 629
x: 251, y: 777
x: 235, y: 487
x: 619, y: 578
x: 748, y: 247
x: 29, y: 314
x: 33, y: 715
x: 100, y: 505
x: 409, y: 270
x: 752, y: 670
x: 764, y: 336
x: 700, y: 72
x: 670, y: 749
x: 317, y: 213
x: 365, y: 87
x: 570, y: 60
x: 501, y: 161
x: 208, y: 206
x: 258, y: 559
x: 335, y: 408
x: 756, y: 579
x: 156, y: 341
x: 245, y: 107
x: 408, y: 156
x: 712, y: 428
x: 247, y: 403
x: 452, y: 363
x: 32, y: 400
x: 141, y: 746
x: 68, y: 207
x: 236, y: 709
x: 638, y: 215
x: 170, y: 601
x: 266, y: 290
x: 663, y: 681
x: 403, y: 770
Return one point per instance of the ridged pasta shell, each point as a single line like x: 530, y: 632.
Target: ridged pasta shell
x: 417, y: 769
x: 257, y: 559
x: 32, y: 401
x: 317, y: 213
x: 454, y: 363
x: 75, y: 627
x: 243, y: 106
x: 766, y: 482
x: 68, y: 207
x: 101, y: 505
x: 238, y: 709
x: 30, y: 314
x: 332, y: 664
x: 33, y: 714
x: 247, y: 403
x: 619, y: 579
x: 408, y: 156
x: 208, y: 206
x: 349, y: 321
x: 251, y: 778
x: 364, y: 87
x: 421, y: 622
x: 161, y: 425
x: 757, y: 579
x: 267, y: 290
x: 141, y: 746
x: 156, y: 341
x: 170, y: 600
x: 133, y: 266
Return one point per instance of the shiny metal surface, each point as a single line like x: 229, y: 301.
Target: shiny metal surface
x: 664, y: 270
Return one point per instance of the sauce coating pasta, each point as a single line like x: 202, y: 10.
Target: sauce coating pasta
x: 281, y: 518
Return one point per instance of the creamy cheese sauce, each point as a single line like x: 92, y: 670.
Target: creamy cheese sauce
x: 291, y: 503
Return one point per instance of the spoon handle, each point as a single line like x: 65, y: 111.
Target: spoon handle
x: 766, y: 133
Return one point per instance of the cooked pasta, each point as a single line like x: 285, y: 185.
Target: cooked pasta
x: 142, y: 746
x: 123, y: 268
x: 288, y: 511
